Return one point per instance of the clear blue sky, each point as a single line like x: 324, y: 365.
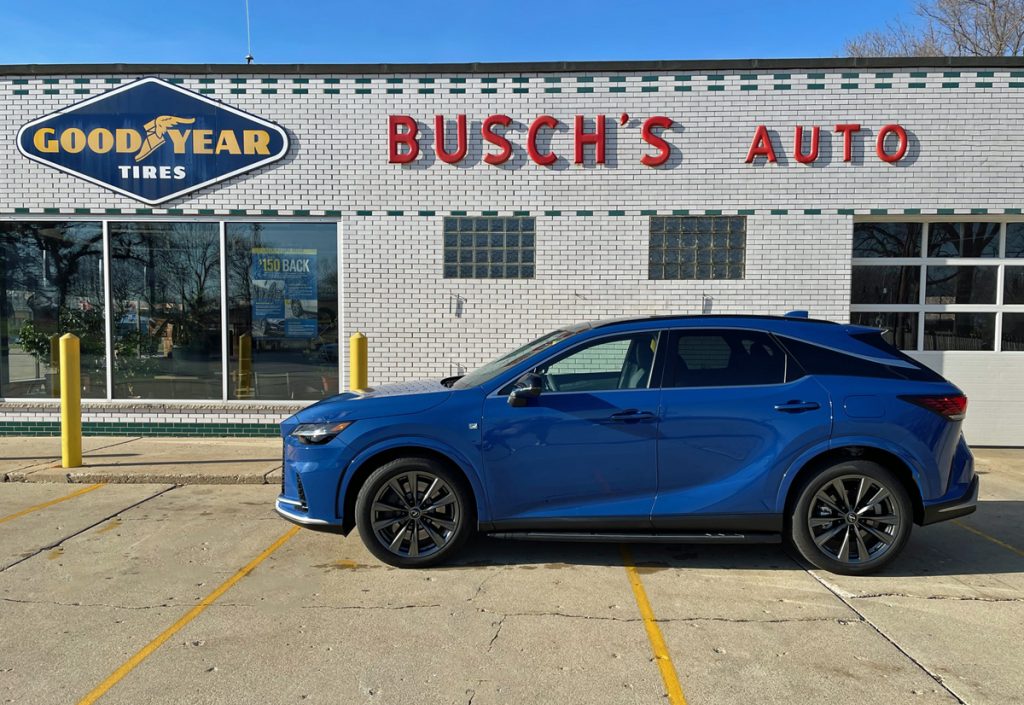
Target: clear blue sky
x: 321, y: 31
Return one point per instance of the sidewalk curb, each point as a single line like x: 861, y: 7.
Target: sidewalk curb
x: 84, y: 476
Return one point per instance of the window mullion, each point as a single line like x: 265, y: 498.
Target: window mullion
x: 225, y: 351
x: 108, y: 311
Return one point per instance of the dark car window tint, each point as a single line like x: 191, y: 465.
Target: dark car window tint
x: 817, y: 360
x: 725, y: 358
x: 622, y: 362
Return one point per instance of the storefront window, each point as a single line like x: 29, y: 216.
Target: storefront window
x: 51, y: 283
x: 963, y: 270
x: 165, y: 289
x: 885, y: 285
x: 1013, y: 331
x: 887, y: 240
x: 963, y: 240
x: 899, y: 328
x: 959, y: 331
x: 1014, y: 286
x: 960, y: 285
x: 282, y: 310
x: 1015, y: 240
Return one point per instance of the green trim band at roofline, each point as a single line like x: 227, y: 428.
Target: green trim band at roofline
x: 330, y: 216
x: 951, y: 62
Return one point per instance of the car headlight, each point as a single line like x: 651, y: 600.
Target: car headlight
x: 319, y: 433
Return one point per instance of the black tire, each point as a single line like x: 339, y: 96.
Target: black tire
x: 832, y: 532
x: 412, y: 532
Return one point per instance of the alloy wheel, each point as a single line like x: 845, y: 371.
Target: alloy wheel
x: 854, y: 519
x: 415, y: 514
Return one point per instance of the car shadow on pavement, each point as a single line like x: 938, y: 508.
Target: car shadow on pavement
x: 987, y: 542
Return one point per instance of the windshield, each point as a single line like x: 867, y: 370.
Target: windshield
x: 506, y: 362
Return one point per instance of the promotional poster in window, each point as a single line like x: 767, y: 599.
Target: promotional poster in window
x: 284, y: 296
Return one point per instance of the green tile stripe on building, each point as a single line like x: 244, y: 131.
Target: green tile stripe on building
x: 584, y: 213
x: 135, y: 428
x: 713, y: 81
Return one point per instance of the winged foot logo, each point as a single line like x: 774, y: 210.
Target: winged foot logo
x: 152, y: 141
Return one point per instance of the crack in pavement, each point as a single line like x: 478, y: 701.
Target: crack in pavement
x: 670, y: 620
x: 57, y: 543
x: 846, y: 600
x: 501, y: 623
x: 56, y: 603
x: 365, y: 607
x: 483, y: 582
x: 963, y: 598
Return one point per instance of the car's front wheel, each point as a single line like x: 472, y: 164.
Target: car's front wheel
x: 852, y: 518
x: 414, y: 512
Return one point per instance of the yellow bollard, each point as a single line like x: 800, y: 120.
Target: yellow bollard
x: 357, y: 362
x: 70, y: 402
x: 244, y: 386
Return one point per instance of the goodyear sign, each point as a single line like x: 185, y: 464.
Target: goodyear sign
x: 152, y: 141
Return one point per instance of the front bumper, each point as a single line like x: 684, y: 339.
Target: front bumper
x: 288, y: 510
x: 954, y: 508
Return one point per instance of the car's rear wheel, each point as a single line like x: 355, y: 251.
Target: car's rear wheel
x: 852, y: 518
x: 414, y: 512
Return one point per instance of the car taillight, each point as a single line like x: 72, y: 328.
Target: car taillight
x: 953, y: 407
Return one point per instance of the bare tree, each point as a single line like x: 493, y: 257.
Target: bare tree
x: 949, y: 28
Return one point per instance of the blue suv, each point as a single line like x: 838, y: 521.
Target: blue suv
x: 705, y: 429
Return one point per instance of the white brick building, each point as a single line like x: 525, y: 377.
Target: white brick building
x: 612, y: 239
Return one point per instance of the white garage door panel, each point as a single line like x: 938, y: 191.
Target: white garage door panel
x: 994, y: 385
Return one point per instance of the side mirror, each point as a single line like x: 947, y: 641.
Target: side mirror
x: 527, y: 387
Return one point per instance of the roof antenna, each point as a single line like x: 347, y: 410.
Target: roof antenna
x: 248, y: 36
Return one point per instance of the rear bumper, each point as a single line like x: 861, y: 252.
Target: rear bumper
x: 962, y: 506
x: 285, y: 507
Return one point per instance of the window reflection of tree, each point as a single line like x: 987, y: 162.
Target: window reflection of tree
x: 963, y: 239
x: 887, y: 240
x: 172, y: 268
x: 51, y: 282
x: 165, y: 284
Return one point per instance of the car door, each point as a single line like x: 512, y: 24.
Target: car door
x: 582, y: 454
x: 736, y: 411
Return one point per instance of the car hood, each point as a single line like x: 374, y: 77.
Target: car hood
x: 385, y: 400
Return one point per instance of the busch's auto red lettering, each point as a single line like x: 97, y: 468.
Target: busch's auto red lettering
x: 488, y: 133
x: 545, y: 158
x: 890, y: 144
x: 589, y: 144
x: 659, y: 122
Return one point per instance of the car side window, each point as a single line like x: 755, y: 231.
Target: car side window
x: 724, y: 358
x: 622, y: 362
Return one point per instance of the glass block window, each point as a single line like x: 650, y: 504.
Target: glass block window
x: 489, y: 247
x: 697, y: 247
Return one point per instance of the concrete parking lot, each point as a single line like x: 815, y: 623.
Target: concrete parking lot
x: 158, y: 593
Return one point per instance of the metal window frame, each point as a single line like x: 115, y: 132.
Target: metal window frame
x: 1000, y: 262
x: 222, y: 222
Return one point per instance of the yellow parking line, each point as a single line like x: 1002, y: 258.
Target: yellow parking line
x: 52, y: 502
x: 993, y: 539
x: 152, y: 646
x: 668, y: 670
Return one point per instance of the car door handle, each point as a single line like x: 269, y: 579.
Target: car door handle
x: 633, y: 415
x: 795, y: 407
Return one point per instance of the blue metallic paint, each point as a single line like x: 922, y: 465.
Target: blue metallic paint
x: 561, y: 458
